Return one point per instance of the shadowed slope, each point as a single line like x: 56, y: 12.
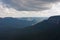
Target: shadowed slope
x: 45, y: 30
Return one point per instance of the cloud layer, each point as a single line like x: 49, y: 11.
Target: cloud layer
x: 10, y: 8
x: 30, y: 5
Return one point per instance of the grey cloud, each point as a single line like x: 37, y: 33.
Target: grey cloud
x: 51, y: 1
x: 29, y: 5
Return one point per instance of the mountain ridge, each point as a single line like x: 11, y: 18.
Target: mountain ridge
x: 44, y: 30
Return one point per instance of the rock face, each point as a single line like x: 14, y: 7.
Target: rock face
x: 54, y: 19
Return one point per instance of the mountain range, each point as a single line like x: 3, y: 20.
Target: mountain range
x: 48, y: 29
x: 19, y: 22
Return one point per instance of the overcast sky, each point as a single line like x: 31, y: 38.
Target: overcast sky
x: 29, y: 8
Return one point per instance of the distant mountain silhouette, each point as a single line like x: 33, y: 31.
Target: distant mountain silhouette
x: 19, y: 22
x: 45, y: 30
x: 14, y: 22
